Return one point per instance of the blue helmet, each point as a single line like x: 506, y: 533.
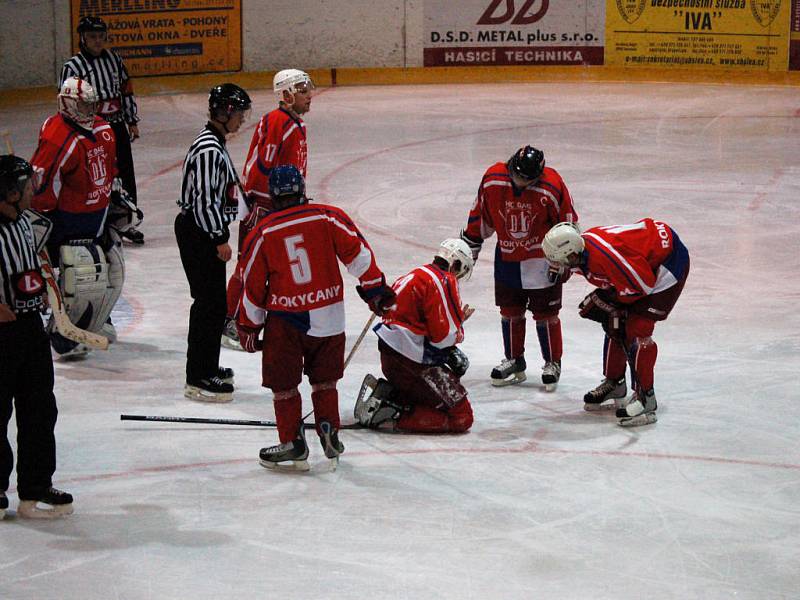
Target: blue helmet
x: 287, y: 186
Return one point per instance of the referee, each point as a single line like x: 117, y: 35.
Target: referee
x: 26, y: 366
x: 209, y: 203
x: 106, y: 73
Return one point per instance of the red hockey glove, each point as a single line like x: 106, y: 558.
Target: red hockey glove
x: 248, y: 338
x: 379, y: 299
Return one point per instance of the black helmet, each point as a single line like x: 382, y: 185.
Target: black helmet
x: 92, y: 24
x: 14, y: 172
x: 287, y: 187
x: 527, y: 162
x: 226, y: 98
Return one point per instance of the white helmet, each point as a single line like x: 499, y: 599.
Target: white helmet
x: 561, y: 241
x: 454, y: 250
x: 289, y: 80
x: 77, y: 100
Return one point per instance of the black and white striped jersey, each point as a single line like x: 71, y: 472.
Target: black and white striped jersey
x: 109, y: 78
x: 21, y: 282
x: 209, y: 187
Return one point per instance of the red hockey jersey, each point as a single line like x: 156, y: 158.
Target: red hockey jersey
x: 279, y: 139
x: 635, y: 260
x: 289, y: 266
x: 427, y: 317
x: 76, y: 169
x: 520, y: 218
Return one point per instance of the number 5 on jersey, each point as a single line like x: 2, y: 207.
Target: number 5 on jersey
x: 298, y: 259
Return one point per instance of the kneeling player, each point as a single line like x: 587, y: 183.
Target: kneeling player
x: 294, y: 291
x: 423, y: 367
x: 641, y: 270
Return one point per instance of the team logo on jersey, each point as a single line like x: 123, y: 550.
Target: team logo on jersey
x: 97, y: 169
x: 630, y: 10
x: 519, y: 222
x: 765, y: 11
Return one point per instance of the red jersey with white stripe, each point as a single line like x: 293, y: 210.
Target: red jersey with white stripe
x: 289, y: 266
x: 427, y: 316
x: 635, y: 260
x: 76, y: 169
x: 521, y: 218
x: 279, y: 139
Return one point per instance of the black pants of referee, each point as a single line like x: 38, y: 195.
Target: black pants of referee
x: 206, y: 274
x: 125, y: 158
x: 26, y: 380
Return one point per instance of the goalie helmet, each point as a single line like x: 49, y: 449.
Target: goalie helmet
x: 458, y: 256
x: 291, y: 80
x: 77, y: 101
x: 527, y: 163
x: 563, y: 240
x: 226, y: 98
x: 287, y: 187
x: 14, y: 173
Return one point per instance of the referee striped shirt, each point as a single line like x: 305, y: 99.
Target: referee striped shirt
x: 209, y: 188
x: 17, y: 255
x: 109, y: 78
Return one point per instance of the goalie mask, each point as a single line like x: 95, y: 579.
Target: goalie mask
x: 458, y: 256
x: 287, y: 187
x: 77, y: 101
x: 562, y: 241
x: 527, y: 163
x: 291, y: 80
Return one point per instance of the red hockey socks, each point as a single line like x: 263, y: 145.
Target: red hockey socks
x: 549, y: 333
x: 644, y: 352
x: 288, y: 413
x: 513, y: 325
x: 326, y: 404
x: 234, y: 293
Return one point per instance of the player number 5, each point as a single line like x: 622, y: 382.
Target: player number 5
x: 298, y: 259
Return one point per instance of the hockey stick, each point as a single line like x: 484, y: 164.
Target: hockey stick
x: 7, y: 137
x: 64, y: 326
x: 218, y: 421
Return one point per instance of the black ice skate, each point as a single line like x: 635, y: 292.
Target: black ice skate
x: 551, y: 373
x: 133, y: 235
x: 509, y: 372
x: 374, y: 406
x: 329, y: 438
x: 291, y: 456
x: 225, y: 374
x: 49, y: 504
x: 211, y: 389
x: 641, y: 410
x: 609, y: 389
x: 230, y: 337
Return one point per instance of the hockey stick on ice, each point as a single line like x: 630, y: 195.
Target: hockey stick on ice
x: 64, y: 326
x: 218, y: 421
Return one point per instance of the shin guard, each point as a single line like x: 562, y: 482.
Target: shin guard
x: 513, y: 325
x: 549, y: 333
x: 325, y: 399
x: 288, y: 414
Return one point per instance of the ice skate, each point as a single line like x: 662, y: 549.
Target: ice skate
x: 288, y: 457
x: 373, y: 406
x: 609, y: 389
x: 640, y: 410
x: 509, y: 372
x: 211, y: 389
x: 109, y: 331
x: 225, y: 374
x: 3, y: 505
x: 329, y: 438
x: 50, y: 504
x: 551, y: 373
x: 230, y: 337
x: 133, y: 235
x: 78, y: 352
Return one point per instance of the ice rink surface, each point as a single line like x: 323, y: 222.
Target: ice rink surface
x: 541, y: 499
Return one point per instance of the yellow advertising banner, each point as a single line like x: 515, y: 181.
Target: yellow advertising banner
x: 731, y: 34
x: 169, y: 37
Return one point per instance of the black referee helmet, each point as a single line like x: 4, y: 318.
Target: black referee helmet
x: 14, y: 172
x: 91, y: 24
x: 226, y: 98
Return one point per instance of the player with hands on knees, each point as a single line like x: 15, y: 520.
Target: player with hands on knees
x: 293, y: 291
x: 420, y: 359
x: 26, y: 364
x: 520, y: 200
x: 640, y: 270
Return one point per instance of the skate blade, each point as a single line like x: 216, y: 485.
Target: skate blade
x: 194, y: 393
x: 230, y: 344
x: 29, y: 509
x: 639, y: 420
x: 510, y: 380
x: 296, y: 466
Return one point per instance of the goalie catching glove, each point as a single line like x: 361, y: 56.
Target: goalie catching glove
x: 596, y: 307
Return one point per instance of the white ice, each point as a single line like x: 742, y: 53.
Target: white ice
x: 540, y: 499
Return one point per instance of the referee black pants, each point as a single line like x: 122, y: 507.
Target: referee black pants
x: 26, y: 379
x: 125, y: 158
x: 206, y: 275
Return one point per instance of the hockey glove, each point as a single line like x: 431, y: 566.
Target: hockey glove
x: 611, y: 316
x: 457, y: 362
x: 379, y: 299
x: 248, y: 338
x: 557, y: 273
x: 474, y: 245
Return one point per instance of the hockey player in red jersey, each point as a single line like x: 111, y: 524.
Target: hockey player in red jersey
x: 294, y: 291
x: 279, y: 139
x: 76, y: 164
x: 423, y: 367
x: 521, y: 200
x: 640, y: 270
